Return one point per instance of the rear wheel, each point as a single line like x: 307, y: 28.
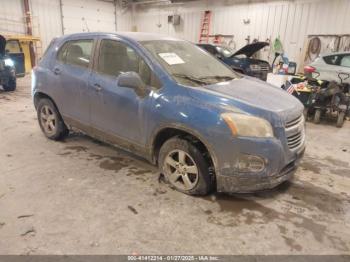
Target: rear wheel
x: 317, y: 116
x: 50, y: 121
x: 184, y: 167
x: 11, y: 85
x: 340, y: 119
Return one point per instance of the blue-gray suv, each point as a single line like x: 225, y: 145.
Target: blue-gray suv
x: 171, y: 102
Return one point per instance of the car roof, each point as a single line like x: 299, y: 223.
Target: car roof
x: 134, y: 36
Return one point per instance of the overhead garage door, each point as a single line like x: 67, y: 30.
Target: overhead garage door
x: 88, y: 16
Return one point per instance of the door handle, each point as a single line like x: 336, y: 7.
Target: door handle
x: 57, y: 71
x: 97, y: 87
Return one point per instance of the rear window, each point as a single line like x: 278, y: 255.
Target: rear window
x: 76, y: 52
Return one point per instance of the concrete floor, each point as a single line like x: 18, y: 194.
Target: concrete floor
x: 84, y: 197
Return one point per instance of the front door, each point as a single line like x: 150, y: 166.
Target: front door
x: 118, y: 110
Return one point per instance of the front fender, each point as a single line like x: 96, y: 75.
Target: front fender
x: 186, y: 129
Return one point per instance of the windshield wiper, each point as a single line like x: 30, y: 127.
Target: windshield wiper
x: 225, y: 78
x: 192, y: 78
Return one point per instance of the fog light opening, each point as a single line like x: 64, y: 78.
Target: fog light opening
x: 250, y: 164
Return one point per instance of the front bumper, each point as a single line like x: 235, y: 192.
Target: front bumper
x: 280, y: 157
x: 246, y: 183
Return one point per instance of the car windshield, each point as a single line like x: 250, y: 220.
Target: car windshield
x: 188, y: 64
x: 225, y: 51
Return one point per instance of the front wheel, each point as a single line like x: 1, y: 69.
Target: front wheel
x: 11, y: 85
x: 340, y: 119
x: 184, y: 167
x: 50, y: 120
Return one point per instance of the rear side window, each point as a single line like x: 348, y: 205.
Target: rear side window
x: 116, y: 58
x: 77, y: 52
x: 332, y: 59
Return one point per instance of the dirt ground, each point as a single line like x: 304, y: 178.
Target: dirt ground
x: 80, y: 196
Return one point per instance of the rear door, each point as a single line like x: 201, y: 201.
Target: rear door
x: 71, y: 70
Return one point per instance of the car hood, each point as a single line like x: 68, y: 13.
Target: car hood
x: 2, y: 45
x: 251, y: 49
x: 252, y: 96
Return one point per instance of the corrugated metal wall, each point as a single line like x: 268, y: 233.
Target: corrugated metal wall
x: 11, y: 17
x: 78, y: 16
x: 88, y: 15
x: 46, y: 20
x: 124, y: 19
x: 291, y: 20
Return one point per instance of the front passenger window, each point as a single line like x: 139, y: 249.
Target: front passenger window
x: 116, y: 58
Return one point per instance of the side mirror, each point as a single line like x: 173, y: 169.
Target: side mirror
x: 134, y: 81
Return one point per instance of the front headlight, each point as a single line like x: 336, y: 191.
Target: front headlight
x: 9, y: 62
x: 246, y: 125
x: 255, y: 67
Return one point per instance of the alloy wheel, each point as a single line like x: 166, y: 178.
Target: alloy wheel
x: 181, y: 170
x: 48, y: 120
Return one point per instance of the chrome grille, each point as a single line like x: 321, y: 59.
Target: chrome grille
x: 294, y: 121
x: 295, y: 140
x: 295, y: 132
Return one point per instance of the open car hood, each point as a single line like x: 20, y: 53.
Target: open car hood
x: 2, y: 45
x: 251, y: 49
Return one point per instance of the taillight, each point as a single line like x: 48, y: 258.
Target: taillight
x: 309, y: 69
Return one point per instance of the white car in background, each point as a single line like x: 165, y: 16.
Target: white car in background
x: 330, y: 66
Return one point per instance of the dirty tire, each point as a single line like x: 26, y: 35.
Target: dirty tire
x: 317, y: 116
x: 11, y: 85
x: 340, y: 119
x: 50, y: 120
x: 202, y: 184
